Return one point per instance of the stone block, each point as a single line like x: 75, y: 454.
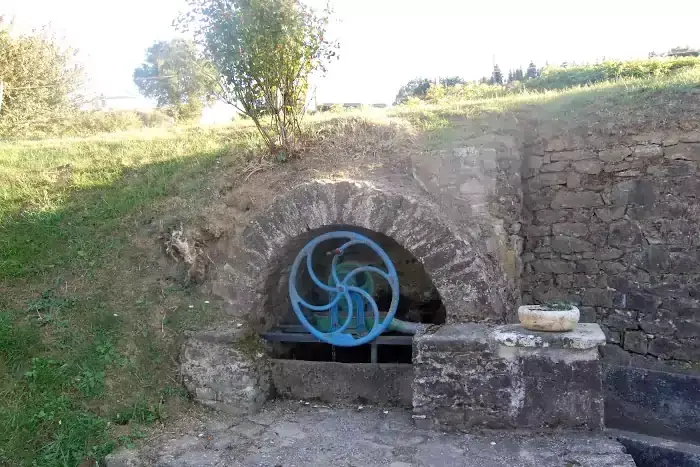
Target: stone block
x: 573, y: 200
x: 606, y: 254
x: 684, y: 151
x: 555, y: 167
x: 629, y: 173
x: 591, y: 167
x: 472, y: 377
x: 648, y: 150
x: 635, y: 341
x: 625, y: 233
x: 384, y: 383
x: 534, y: 162
x: 621, y: 320
x: 566, y: 245
x: 608, y: 215
x: 677, y: 169
x: 597, y: 297
x: 549, y: 216
x: 615, y: 154
x: 230, y: 375
x: 573, y: 229
x: 663, y: 347
x: 633, y: 192
x: 588, y: 266
x: 572, y: 155
x: 553, y: 266
x: 459, y: 382
x: 538, y: 231
x: 123, y: 458
x: 573, y: 180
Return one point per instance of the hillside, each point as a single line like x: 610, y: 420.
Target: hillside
x: 95, y: 291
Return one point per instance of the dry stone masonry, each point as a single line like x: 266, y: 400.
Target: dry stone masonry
x: 615, y: 228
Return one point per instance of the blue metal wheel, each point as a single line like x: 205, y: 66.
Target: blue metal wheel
x: 348, y: 291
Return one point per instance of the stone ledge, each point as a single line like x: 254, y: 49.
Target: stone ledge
x: 585, y: 336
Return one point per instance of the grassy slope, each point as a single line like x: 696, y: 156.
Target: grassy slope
x: 89, y: 321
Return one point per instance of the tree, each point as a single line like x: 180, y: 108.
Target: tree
x: 177, y: 78
x: 518, y: 75
x: 417, y: 87
x: 264, y: 52
x: 511, y: 76
x: 449, y: 81
x: 532, y: 71
x: 496, y: 76
x: 41, y: 82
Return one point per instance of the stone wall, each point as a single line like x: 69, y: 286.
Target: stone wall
x: 614, y: 226
x: 478, y: 187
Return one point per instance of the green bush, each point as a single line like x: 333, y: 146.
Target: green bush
x: 468, y: 91
x: 562, y: 78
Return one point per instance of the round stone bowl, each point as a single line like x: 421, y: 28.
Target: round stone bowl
x: 543, y: 318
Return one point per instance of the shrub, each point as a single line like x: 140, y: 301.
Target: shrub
x: 583, y: 75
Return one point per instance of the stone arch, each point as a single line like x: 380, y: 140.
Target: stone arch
x: 467, y: 279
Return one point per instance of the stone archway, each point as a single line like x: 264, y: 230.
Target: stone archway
x: 470, y: 284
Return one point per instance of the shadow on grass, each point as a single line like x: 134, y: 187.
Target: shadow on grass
x: 94, y: 222
x: 71, y: 364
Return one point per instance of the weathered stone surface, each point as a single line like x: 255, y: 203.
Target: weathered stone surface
x: 549, y: 216
x: 573, y: 180
x: 469, y: 378
x: 124, y: 458
x: 587, y: 266
x: 655, y: 402
x: 629, y: 173
x: 534, y: 162
x: 597, y: 297
x: 564, y: 244
x: 663, y: 347
x: 624, y: 233
x: 538, y: 231
x: 555, y: 167
x: 614, y: 155
x: 572, y: 155
x: 608, y: 215
x: 591, y: 167
x: 684, y: 151
x: 584, y: 336
x: 636, y: 341
x: 622, y: 320
x: 633, y: 192
x: 553, y: 266
x: 289, y: 433
x: 648, y: 150
x: 547, y: 179
x: 677, y: 169
x: 573, y: 229
x: 649, y: 451
x: 388, y: 383
x: 231, y: 377
x: 584, y: 199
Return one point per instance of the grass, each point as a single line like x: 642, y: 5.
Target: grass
x: 90, y: 312
x: 81, y: 366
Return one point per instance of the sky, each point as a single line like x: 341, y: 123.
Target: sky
x: 384, y: 43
